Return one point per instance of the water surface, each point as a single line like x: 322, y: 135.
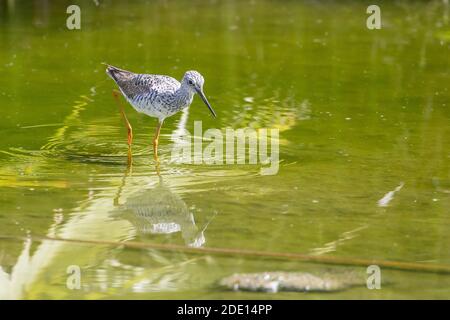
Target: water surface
x: 360, y: 113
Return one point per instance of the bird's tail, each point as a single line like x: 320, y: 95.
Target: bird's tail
x: 114, y: 72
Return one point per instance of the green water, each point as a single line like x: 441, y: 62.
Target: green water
x: 360, y: 113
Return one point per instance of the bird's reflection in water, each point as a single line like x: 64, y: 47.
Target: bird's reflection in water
x: 158, y: 210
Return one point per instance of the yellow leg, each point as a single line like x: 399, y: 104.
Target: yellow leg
x: 130, y: 158
x: 158, y: 173
x: 156, y: 141
x: 116, y: 95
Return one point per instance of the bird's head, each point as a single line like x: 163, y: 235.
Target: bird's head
x: 194, y: 82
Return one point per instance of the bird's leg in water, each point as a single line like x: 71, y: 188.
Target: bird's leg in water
x: 130, y: 158
x: 156, y: 141
x: 116, y: 95
x: 158, y: 173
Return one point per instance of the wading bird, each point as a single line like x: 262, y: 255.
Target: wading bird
x: 157, y: 96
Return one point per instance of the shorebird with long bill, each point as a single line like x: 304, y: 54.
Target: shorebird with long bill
x: 157, y: 96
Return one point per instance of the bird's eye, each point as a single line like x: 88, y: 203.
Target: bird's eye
x: 191, y: 82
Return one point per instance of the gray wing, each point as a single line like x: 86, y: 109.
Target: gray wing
x: 133, y: 84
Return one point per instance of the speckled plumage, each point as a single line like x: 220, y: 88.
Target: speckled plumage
x: 157, y: 96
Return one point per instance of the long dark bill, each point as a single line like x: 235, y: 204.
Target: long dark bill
x: 202, y: 95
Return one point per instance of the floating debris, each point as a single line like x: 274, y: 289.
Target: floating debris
x: 291, y: 281
x: 384, y: 202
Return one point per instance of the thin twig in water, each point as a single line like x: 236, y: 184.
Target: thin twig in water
x: 398, y: 265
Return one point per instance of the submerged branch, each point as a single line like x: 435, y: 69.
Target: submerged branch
x: 332, y: 260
